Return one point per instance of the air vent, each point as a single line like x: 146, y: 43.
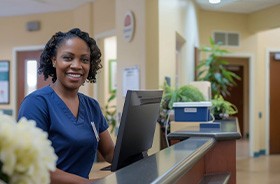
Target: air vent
x: 229, y: 39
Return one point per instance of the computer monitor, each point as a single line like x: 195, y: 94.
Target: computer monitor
x: 137, y: 127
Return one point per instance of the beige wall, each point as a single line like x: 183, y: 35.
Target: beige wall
x: 14, y: 35
x: 104, y: 18
x: 142, y: 50
x: 152, y: 44
x: 264, y: 20
x: 177, y: 17
x: 131, y: 53
x: 253, y: 43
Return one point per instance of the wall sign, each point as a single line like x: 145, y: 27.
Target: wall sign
x: 131, y: 79
x: 128, y: 29
x: 4, y: 82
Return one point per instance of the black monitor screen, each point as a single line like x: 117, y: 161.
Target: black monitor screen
x: 137, y: 127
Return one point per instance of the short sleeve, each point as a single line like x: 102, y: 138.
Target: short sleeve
x: 35, y: 108
x: 103, y: 124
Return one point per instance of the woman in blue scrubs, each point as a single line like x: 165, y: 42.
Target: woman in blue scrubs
x: 73, y: 121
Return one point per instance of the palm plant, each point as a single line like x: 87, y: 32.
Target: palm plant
x: 213, y: 69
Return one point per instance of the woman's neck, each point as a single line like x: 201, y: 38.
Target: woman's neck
x: 65, y: 93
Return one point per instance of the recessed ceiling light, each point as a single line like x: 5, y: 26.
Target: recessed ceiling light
x: 214, y: 1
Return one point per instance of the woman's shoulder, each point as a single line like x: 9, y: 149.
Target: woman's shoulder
x: 35, y: 103
x: 43, y: 92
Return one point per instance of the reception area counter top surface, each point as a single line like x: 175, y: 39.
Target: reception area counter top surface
x: 194, y: 156
x: 165, y: 166
x: 229, y: 130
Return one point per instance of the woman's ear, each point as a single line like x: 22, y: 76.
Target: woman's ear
x: 53, y: 62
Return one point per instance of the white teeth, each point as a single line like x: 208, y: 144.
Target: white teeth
x: 74, y: 75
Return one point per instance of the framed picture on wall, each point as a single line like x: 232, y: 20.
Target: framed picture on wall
x: 112, y: 75
x: 4, y: 82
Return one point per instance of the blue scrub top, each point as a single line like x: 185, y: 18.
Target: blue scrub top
x: 73, y: 139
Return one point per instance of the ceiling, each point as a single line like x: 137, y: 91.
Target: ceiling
x: 238, y: 6
x: 27, y: 7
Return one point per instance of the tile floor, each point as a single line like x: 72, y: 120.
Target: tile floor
x: 261, y: 170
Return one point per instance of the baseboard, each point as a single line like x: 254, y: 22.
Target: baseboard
x: 260, y: 153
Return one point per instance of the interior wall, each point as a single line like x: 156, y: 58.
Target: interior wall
x: 177, y: 17
x: 152, y: 44
x: 141, y: 51
x: 264, y: 20
x: 14, y: 35
x: 131, y: 53
x: 254, y: 43
x: 104, y: 16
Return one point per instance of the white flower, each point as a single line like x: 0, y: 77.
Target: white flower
x: 25, y: 152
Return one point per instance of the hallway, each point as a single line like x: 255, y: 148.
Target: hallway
x: 261, y: 170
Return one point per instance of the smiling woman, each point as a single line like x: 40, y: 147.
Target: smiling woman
x: 74, y: 122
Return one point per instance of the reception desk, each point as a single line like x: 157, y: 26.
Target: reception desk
x: 201, y: 156
x: 222, y: 157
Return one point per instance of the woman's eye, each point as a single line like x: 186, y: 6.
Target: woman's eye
x: 66, y: 58
x: 85, y: 60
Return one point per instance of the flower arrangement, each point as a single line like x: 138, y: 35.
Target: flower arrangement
x: 26, y: 154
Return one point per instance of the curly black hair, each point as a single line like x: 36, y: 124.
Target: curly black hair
x: 46, y: 67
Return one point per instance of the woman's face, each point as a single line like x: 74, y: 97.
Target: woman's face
x: 72, y: 64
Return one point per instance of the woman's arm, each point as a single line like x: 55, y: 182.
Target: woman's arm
x: 106, y: 146
x: 62, y: 177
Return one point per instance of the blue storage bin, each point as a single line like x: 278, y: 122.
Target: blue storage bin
x: 192, y: 111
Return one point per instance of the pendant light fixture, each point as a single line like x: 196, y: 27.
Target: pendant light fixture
x: 214, y: 1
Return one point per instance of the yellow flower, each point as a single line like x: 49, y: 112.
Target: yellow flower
x: 25, y: 152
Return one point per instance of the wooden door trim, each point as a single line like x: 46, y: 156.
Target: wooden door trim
x: 251, y: 99
x: 14, y: 73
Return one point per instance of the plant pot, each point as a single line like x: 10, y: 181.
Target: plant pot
x: 221, y: 116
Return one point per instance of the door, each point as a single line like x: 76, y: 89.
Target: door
x: 236, y: 94
x: 23, y: 57
x: 274, y: 124
x: 240, y: 93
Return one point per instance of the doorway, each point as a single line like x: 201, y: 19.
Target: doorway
x: 240, y: 93
x: 24, y: 59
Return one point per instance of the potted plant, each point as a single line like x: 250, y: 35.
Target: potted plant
x: 110, y: 111
x: 213, y: 69
x: 186, y: 93
x: 222, y: 109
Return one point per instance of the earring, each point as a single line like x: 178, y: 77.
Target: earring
x: 53, y: 65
